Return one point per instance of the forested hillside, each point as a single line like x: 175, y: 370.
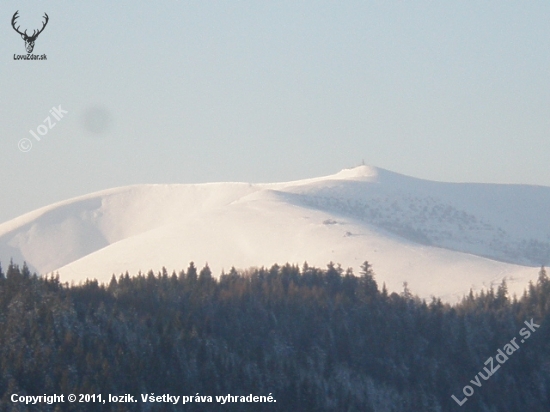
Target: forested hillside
x: 315, y: 339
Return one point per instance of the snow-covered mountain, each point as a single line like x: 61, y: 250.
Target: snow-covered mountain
x: 441, y: 238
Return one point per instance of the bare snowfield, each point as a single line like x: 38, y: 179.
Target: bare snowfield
x: 441, y: 238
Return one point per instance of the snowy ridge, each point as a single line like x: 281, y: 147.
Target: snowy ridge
x: 442, y: 238
x: 504, y: 222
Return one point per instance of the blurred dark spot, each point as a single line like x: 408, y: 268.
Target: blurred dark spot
x: 97, y: 119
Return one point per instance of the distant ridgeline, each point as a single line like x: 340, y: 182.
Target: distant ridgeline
x: 315, y: 339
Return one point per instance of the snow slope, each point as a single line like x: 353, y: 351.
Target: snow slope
x: 442, y: 238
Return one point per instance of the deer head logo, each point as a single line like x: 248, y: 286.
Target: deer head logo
x: 29, y: 40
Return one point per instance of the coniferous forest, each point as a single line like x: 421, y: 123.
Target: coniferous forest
x: 314, y: 339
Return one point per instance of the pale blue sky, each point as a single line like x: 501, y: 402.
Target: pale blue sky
x: 197, y: 91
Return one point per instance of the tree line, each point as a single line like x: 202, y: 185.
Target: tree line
x: 316, y: 339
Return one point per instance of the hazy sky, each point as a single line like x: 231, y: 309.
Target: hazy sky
x: 258, y: 91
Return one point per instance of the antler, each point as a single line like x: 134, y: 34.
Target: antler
x: 15, y: 16
x: 34, y: 33
x: 34, y: 36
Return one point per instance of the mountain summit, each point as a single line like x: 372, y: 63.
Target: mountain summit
x: 441, y: 238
